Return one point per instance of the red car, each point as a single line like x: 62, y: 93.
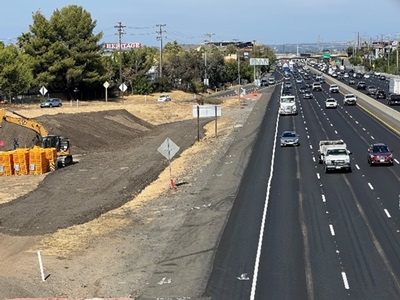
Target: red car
x: 379, y: 154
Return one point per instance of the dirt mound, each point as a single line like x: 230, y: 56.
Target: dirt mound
x: 94, y: 131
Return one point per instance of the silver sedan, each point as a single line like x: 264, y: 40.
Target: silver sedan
x: 290, y: 138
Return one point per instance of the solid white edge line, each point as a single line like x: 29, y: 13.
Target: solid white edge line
x: 332, y: 229
x: 264, y: 216
x: 370, y: 186
x: 345, y: 282
x: 387, y: 213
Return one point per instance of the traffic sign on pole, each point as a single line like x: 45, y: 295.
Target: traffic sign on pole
x: 123, y: 87
x: 43, y: 90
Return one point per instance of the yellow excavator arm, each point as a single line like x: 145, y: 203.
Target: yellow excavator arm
x: 24, y: 121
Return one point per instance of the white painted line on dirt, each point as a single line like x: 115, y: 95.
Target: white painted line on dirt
x: 41, y: 266
x: 323, y: 198
x: 370, y: 186
x: 364, y: 129
x: 310, y: 146
x: 356, y: 122
x: 318, y: 176
x: 387, y: 213
x: 332, y: 230
x: 336, y: 132
x: 358, y: 168
x: 313, y: 158
x: 372, y: 137
x: 397, y: 162
x: 345, y: 282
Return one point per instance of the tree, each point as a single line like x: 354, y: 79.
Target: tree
x: 65, y: 51
x: 136, y: 65
x: 15, y: 72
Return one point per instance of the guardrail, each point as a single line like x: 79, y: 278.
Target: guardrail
x: 383, y: 113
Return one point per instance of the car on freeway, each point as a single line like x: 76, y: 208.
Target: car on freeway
x: 349, y: 99
x: 302, y: 89
x: 164, y: 98
x: 51, y: 102
x: 333, y: 88
x: 299, y: 80
x: 264, y: 82
x: 366, y: 75
x: 286, y: 91
x: 308, y: 95
x: 352, y: 81
x: 316, y: 86
x: 331, y: 103
x: 379, y: 153
x: 271, y: 80
x: 380, y: 94
x: 361, y: 85
x: 371, y: 90
x: 289, y: 138
x: 382, y: 77
x: 288, y: 84
x: 393, y: 99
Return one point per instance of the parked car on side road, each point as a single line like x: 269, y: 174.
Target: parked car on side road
x: 164, y: 98
x: 51, y: 102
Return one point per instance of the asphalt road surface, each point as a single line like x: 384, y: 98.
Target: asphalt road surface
x: 324, y: 236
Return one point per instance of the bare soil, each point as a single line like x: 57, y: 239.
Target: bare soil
x: 105, y: 224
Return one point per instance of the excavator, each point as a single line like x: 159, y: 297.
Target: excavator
x: 44, y: 140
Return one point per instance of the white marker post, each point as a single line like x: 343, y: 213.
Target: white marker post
x: 41, y: 266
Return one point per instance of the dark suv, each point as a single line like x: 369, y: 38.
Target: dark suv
x: 380, y: 94
x: 393, y: 99
x: 361, y: 85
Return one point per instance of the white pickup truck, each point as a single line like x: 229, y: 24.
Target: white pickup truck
x: 333, y: 154
x: 287, y: 105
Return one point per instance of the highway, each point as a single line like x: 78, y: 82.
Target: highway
x: 298, y: 233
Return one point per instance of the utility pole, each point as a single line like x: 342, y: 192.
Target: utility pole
x: 209, y: 35
x: 160, y: 38
x: 120, y: 32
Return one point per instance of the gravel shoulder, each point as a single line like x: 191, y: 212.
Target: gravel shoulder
x: 110, y: 225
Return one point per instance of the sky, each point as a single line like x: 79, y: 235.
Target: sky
x: 195, y: 21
